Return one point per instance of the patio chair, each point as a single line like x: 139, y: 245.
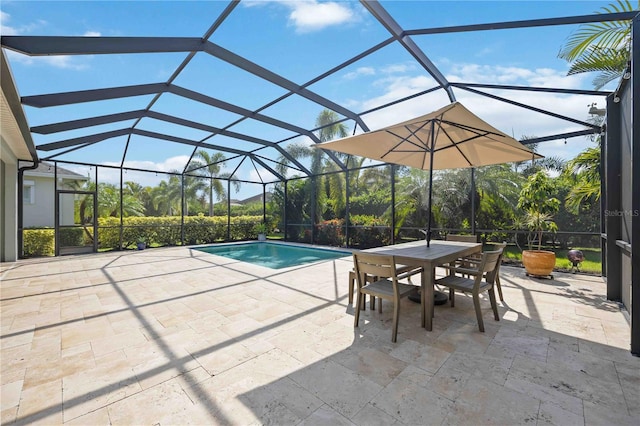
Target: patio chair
x: 464, y: 262
x: 386, y: 286
x: 462, y: 238
x: 403, y: 271
x: 483, y: 273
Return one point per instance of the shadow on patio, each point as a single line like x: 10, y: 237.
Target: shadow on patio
x: 178, y: 336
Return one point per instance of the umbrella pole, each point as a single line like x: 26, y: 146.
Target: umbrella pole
x: 430, y: 183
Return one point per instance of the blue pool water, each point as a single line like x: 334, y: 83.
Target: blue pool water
x: 272, y: 255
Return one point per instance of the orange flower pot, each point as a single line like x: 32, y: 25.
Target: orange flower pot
x: 539, y: 262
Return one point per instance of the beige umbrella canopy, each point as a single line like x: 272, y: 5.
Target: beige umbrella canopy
x: 449, y: 138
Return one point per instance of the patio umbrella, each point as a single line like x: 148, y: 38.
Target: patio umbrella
x: 449, y: 138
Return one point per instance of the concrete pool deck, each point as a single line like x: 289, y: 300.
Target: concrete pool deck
x: 177, y: 336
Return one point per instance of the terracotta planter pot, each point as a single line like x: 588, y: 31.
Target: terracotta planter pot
x: 539, y: 262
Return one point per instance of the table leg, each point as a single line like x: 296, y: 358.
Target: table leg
x: 427, y: 298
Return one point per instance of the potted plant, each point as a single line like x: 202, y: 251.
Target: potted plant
x: 141, y: 243
x: 536, y: 199
x: 261, y: 229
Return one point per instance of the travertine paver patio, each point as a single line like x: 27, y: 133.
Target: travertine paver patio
x: 175, y: 336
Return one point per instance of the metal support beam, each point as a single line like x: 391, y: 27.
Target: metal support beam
x: 284, y: 213
x: 266, y: 166
x: 568, y: 135
x: 570, y: 20
x: 58, y: 99
x: 264, y: 203
x: 347, y: 196
x: 534, y: 89
x: 52, y: 45
x: 380, y: 13
x: 635, y: 188
x: 393, y: 204
x: 541, y: 111
x: 67, y: 98
x: 473, y: 200
x: 228, y: 210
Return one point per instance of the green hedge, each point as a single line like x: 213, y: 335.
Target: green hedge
x: 38, y: 242
x: 71, y: 237
x: 155, y: 231
x: 331, y: 233
x: 368, y: 231
x: 165, y: 231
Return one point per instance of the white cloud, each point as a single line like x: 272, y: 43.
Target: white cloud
x: 511, y: 119
x: 309, y: 16
x: 109, y: 175
x: 358, y: 72
x: 6, y: 29
x: 261, y: 174
x: 61, y: 61
x: 398, y: 68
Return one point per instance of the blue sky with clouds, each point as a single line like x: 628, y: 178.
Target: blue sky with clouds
x: 299, y: 40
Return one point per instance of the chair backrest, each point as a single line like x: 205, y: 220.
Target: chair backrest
x: 377, y: 265
x: 462, y: 238
x: 491, y: 262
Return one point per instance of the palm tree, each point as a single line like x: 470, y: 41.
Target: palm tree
x: 585, y: 167
x: 331, y: 188
x: 210, y: 166
x: 601, y: 47
x: 166, y: 196
x: 329, y: 129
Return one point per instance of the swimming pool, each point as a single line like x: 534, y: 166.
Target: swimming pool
x: 273, y: 255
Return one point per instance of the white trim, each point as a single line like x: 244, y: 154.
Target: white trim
x: 32, y: 191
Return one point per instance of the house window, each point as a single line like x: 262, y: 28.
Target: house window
x: 29, y: 192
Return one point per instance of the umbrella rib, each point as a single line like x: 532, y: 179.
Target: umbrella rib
x: 523, y: 148
x: 406, y: 139
x: 466, y: 127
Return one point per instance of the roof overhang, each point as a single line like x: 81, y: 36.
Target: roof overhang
x: 15, y: 129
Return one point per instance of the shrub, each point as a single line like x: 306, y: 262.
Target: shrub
x: 330, y: 233
x: 166, y: 230
x: 368, y: 231
x: 70, y: 237
x: 38, y: 242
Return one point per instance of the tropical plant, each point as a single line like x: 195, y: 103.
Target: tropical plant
x: 260, y: 228
x: 539, y: 205
x: 210, y: 166
x: 585, y: 168
x: 602, y: 47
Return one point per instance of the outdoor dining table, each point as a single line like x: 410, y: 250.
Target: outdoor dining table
x: 416, y: 253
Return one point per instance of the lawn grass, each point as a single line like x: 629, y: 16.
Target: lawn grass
x: 592, y: 258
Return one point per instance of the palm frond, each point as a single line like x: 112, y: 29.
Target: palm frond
x: 612, y: 35
x: 603, y: 60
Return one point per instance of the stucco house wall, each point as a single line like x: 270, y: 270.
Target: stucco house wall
x: 16, y: 145
x: 39, y: 209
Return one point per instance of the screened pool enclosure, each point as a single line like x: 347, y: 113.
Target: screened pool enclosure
x: 196, y: 132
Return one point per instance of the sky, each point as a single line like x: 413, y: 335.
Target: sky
x: 299, y: 40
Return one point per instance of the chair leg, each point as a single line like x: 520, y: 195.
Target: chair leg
x: 494, y: 305
x: 352, y: 283
x: 476, y: 303
x: 452, y: 296
x: 357, y: 310
x: 499, y: 287
x: 380, y: 305
x: 372, y: 302
x: 396, y: 315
